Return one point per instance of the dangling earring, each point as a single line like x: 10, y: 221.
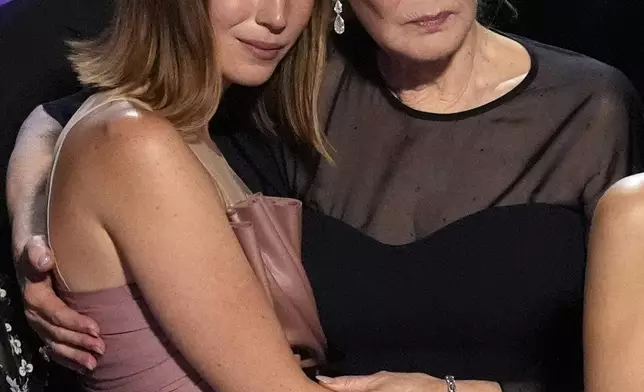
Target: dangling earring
x: 338, y: 24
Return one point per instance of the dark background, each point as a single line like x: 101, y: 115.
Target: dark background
x: 609, y: 30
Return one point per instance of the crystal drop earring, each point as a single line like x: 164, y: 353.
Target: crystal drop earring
x: 338, y: 24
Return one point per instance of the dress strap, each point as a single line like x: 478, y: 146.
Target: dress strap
x: 231, y: 188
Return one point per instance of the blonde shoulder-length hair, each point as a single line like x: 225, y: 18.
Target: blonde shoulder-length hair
x: 161, y: 53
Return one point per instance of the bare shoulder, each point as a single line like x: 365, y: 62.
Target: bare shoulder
x: 120, y: 147
x: 122, y: 127
x: 622, y: 206
x: 122, y: 135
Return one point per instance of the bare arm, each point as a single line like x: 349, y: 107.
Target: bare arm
x: 28, y: 169
x: 65, y: 331
x: 160, y: 208
x: 614, y: 302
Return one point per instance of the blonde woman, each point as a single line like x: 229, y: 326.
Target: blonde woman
x: 169, y: 284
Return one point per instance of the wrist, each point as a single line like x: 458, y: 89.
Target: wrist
x: 21, y: 233
x: 19, y: 240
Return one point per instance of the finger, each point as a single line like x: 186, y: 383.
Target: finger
x: 347, y: 383
x: 47, y: 331
x: 68, y: 364
x: 42, y: 302
x: 39, y: 256
x: 71, y: 357
x: 49, y: 355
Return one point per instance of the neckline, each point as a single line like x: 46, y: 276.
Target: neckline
x: 550, y: 209
x: 514, y: 92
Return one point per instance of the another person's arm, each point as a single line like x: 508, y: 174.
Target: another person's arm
x: 26, y: 176
x: 72, y: 337
x: 137, y: 183
x: 405, y: 382
x: 614, y: 303
x: 614, y: 292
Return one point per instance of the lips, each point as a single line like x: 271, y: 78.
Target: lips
x: 431, y: 19
x: 263, y: 45
x: 431, y: 24
x: 262, y: 50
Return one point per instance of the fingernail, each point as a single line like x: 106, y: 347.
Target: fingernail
x: 99, y: 350
x: 94, y: 332
x: 324, y: 379
x: 90, y: 366
x: 44, y: 261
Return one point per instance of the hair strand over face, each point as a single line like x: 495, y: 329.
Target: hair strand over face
x: 294, y: 90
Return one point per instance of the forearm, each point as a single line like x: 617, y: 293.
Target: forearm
x: 27, y: 175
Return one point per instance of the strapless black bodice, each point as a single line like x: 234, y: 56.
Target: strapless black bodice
x: 496, y: 295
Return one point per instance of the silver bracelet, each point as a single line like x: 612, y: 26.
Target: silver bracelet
x: 451, y: 383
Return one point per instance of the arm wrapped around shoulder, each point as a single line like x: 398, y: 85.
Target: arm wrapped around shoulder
x: 28, y: 169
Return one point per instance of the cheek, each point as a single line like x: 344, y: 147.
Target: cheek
x: 376, y: 16
x: 297, y: 19
x: 300, y: 14
x: 469, y: 11
x: 226, y: 14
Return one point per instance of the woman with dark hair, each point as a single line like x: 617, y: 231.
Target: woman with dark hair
x: 445, y: 242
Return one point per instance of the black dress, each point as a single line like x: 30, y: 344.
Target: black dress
x: 456, y: 244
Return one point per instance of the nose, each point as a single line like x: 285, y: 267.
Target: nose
x: 272, y: 15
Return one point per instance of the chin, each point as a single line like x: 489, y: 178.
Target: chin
x: 250, y: 75
x: 433, y: 48
x: 435, y: 52
x: 408, y: 43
